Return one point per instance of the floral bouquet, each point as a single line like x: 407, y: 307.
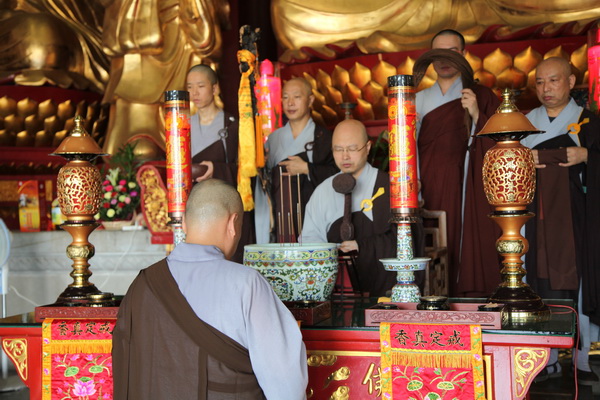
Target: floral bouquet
x: 120, y: 190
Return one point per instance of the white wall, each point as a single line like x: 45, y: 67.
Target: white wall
x: 38, y: 267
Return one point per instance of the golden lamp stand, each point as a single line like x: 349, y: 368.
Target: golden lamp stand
x: 509, y: 185
x: 79, y: 194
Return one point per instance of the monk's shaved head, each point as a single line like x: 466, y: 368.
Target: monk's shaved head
x: 210, y: 201
x: 355, y: 126
x: 559, y: 63
x: 303, y: 82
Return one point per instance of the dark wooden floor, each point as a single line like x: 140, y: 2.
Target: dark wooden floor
x: 563, y: 388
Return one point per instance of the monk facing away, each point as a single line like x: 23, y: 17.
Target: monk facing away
x: 197, y: 326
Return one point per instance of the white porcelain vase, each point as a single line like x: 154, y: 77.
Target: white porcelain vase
x: 296, y: 272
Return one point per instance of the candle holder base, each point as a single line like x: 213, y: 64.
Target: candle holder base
x: 73, y: 294
x: 522, y: 305
x: 405, y: 291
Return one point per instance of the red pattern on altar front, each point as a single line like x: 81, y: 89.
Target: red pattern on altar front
x: 76, y: 359
x: 431, y: 361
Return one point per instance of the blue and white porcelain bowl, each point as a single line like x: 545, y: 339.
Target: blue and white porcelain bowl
x: 296, y: 272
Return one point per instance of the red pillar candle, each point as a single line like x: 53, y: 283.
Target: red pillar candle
x: 402, y: 116
x: 179, y: 167
x: 594, y: 69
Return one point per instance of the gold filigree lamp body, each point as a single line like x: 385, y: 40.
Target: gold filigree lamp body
x: 509, y: 185
x: 79, y: 194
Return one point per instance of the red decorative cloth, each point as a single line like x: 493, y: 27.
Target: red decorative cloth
x: 76, y: 359
x: 431, y: 361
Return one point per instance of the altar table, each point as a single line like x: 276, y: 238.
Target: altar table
x: 343, y: 354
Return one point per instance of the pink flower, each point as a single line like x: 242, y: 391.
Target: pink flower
x: 59, y: 390
x: 133, y: 194
x: 122, y: 182
x: 127, y: 200
x: 477, y: 357
x: 75, y: 357
x: 475, y: 329
x: 108, y: 188
x: 46, y: 371
x: 479, y: 383
x: 57, y: 358
x: 46, y: 340
x: 89, y: 357
x: 82, y: 389
x: 106, y: 182
x: 113, y: 201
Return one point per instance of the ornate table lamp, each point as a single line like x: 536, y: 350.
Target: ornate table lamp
x: 509, y: 184
x: 79, y: 194
x: 403, y: 185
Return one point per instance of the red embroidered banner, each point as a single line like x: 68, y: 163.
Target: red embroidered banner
x: 431, y: 361
x: 76, y: 359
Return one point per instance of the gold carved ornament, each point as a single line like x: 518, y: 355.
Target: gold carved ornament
x: 383, y: 26
x: 154, y: 200
x: 528, y: 362
x: 17, y: 351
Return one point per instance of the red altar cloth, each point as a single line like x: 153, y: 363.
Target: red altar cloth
x: 76, y: 359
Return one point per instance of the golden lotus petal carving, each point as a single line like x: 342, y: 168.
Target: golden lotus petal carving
x: 364, y: 110
x: 310, y: 80
x: 70, y: 124
x: 59, y: 136
x: 44, y: 139
x: 52, y: 124
x: 81, y: 108
x: 7, y: 138
x: 497, y: 61
x: 351, y: 92
x: 512, y: 78
x: 380, y: 109
x: 406, y: 67
x: 372, y: 92
x: 93, y: 111
x: 14, y: 123
x: 47, y: 108
x: 339, y: 77
x: 527, y: 60
x: 360, y: 75
x: 27, y: 107
x: 579, y: 61
x: 474, y: 61
x: 558, y: 51
x: 323, y: 80
x: 329, y: 116
x: 33, y: 124
x: 24, y: 139
x: 319, y: 101
x: 333, y: 96
x: 8, y: 106
x: 531, y: 79
x: 381, y: 71
x: 318, y: 118
x: 66, y: 110
x: 485, y: 78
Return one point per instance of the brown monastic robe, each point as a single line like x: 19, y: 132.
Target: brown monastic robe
x: 442, y: 144
x: 162, y: 350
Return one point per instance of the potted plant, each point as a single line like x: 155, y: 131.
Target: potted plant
x: 120, y: 189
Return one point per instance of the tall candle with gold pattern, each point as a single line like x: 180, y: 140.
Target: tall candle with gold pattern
x: 402, y: 118
x: 179, y: 166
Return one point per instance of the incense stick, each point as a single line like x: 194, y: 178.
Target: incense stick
x: 292, y: 232
x: 299, y: 206
x: 281, y: 202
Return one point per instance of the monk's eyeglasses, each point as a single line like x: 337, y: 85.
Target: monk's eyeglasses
x: 349, y: 149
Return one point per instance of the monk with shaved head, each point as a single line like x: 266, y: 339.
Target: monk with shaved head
x: 197, y: 326
x: 564, y: 256
x: 299, y: 159
x: 374, y: 236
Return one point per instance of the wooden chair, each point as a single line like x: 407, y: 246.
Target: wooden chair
x: 436, y: 248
